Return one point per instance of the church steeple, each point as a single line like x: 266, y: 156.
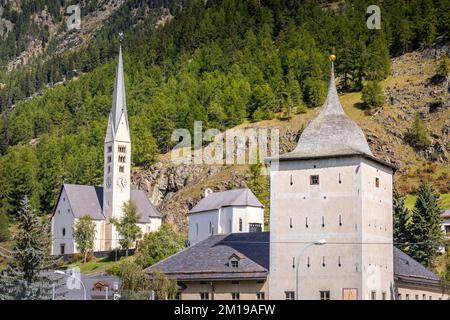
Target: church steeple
x: 118, y: 116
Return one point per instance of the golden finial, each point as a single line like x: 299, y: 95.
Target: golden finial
x: 332, y: 58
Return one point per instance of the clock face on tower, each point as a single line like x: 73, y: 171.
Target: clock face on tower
x: 121, y: 182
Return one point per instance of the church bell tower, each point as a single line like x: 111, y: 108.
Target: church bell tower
x: 117, y: 159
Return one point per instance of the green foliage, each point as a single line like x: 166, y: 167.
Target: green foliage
x: 443, y: 68
x: 164, y: 288
x: 159, y: 245
x: 23, y: 279
x: 425, y: 229
x: 258, y: 182
x: 129, y: 231
x: 314, y: 91
x: 401, y: 221
x: 372, y: 95
x: 84, y: 235
x: 4, y: 227
x: 418, y: 136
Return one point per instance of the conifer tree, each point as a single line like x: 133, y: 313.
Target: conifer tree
x: 401, y: 223
x: 372, y: 95
x: 259, y: 184
x: 443, y: 68
x: 425, y: 229
x: 418, y: 136
x: 25, y: 277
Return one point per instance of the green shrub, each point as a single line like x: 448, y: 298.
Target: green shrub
x: 372, y: 95
x: 4, y: 227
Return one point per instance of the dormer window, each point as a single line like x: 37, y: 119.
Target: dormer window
x: 233, y: 260
x: 314, y: 179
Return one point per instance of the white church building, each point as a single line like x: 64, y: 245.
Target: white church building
x: 225, y: 212
x: 106, y: 202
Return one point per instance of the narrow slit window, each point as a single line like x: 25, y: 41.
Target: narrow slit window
x: 340, y: 181
x: 377, y: 182
x: 323, y: 221
x: 291, y: 181
x: 340, y: 220
x: 306, y: 222
x: 293, y: 262
x: 339, y: 261
x: 307, y: 264
x: 323, y: 261
x: 290, y: 223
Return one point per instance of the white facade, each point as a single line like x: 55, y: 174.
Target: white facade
x: 345, y: 209
x: 224, y: 220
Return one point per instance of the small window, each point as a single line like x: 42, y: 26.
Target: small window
x: 178, y: 296
x: 254, y: 227
x: 399, y: 296
x: 196, y: 228
x: 109, y: 169
x: 204, y: 295
x: 407, y: 296
x: 234, y: 263
x: 62, y: 248
x: 290, y: 295
x: 383, y: 295
x: 417, y: 297
x: 109, y: 159
x: 314, y: 179
x: 121, y: 169
x: 430, y: 298
x: 235, y: 296
x: 290, y: 223
x: 291, y: 182
x: 260, y: 296
x: 122, y: 149
x: 324, y: 295
x: 240, y: 224
x: 424, y: 297
x: 109, y: 149
x: 210, y: 227
x: 63, y: 232
x: 373, y: 295
x: 122, y: 159
x: 230, y: 226
x: 377, y: 182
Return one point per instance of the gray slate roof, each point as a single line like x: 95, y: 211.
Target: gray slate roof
x: 408, y: 268
x: 209, y: 259
x: 86, y: 199
x: 235, y: 197
x: 332, y: 132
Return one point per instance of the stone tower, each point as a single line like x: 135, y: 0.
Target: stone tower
x: 116, y: 182
x: 331, y: 213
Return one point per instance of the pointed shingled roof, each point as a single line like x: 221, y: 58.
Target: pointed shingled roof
x: 119, y: 104
x: 332, y: 132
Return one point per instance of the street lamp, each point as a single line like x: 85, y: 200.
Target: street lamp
x: 315, y: 243
x: 71, y: 276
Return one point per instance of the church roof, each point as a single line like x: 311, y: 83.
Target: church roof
x: 88, y: 200
x: 119, y: 104
x: 332, y: 132
x: 235, y: 197
x: 210, y: 258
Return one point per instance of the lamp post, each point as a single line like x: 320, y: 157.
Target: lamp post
x: 315, y: 243
x: 70, y: 276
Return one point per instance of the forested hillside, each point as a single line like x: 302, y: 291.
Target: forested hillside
x: 221, y: 62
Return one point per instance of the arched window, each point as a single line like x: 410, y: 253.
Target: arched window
x: 240, y: 224
x: 64, y: 232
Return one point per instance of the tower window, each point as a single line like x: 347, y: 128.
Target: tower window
x: 292, y: 182
x: 290, y: 295
x: 306, y: 221
x: 109, y: 149
x: 377, y: 182
x: 122, y: 149
x: 290, y: 223
x: 323, y: 261
x: 121, y: 169
x: 109, y: 169
x: 340, y: 220
x: 339, y: 261
x: 324, y: 295
x: 109, y: 159
x: 293, y: 262
x: 64, y: 232
x: 121, y: 158
x: 62, y: 248
x: 210, y: 227
x: 307, y: 262
x: 196, y: 228
x: 240, y: 224
x: 314, y: 179
x: 323, y: 221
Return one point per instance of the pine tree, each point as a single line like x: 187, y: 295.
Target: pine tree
x: 372, y: 95
x: 259, y: 184
x: 84, y: 235
x: 25, y: 277
x: 443, y: 68
x: 401, y: 223
x: 127, y: 227
x: 4, y: 227
x: 418, y: 136
x: 425, y: 229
